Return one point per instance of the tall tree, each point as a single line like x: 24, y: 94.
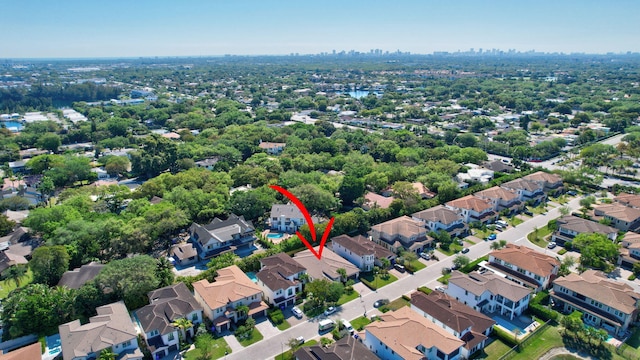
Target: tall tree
x: 48, y: 263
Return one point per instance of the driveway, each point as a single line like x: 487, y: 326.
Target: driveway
x: 266, y: 328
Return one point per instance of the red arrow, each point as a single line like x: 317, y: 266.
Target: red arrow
x: 307, y: 217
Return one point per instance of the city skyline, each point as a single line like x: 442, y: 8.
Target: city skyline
x: 80, y: 29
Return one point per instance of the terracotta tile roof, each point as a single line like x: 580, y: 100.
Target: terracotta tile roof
x: 401, y: 226
x: 581, y: 225
x: 619, y: 212
x: 528, y: 259
x: 470, y: 202
x: 382, y: 202
x: 497, y: 192
x: 422, y: 190
x: 361, y: 246
x: 231, y: 285
x: 439, y: 214
x: 477, y: 284
x: 29, y: 352
x: 545, y: 177
x: 404, y: 329
x: 327, y: 266
x: 632, y: 200
x: 595, y: 285
x: 631, y: 237
x: 271, y: 145
x: 451, y: 312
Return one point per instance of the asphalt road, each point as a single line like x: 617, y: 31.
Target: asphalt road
x: 271, y: 347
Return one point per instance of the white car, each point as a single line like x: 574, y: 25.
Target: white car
x: 297, y: 312
x: 552, y: 245
x: 347, y: 326
x: 330, y: 310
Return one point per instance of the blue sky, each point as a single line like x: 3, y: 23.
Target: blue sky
x: 117, y: 28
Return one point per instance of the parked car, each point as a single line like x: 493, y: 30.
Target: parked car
x: 572, y: 193
x: 528, y: 212
x: 380, y: 302
x: 300, y: 340
x: 552, y: 245
x: 297, y: 312
x: 424, y: 256
x: 399, y: 268
x: 330, y: 310
x: 492, y: 236
x: 347, y: 326
x: 440, y: 288
x: 502, y: 223
x: 465, y: 250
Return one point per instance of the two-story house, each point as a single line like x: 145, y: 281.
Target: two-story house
x: 272, y: 147
x: 223, y: 301
x: 551, y: 183
x: 603, y: 302
x: 406, y: 335
x: 360, y: 251
x: 621, y: 217
x: 222, y: 236
x: 347, y: 348
x: 630, y: 200
x: 401, y: 233
x: 372, y: 200
x: 440, y: 218
x: 501, y: 199
x: 524, y: 266
x: 279, y: 279
x: 166, y: 305
x: 630, y: 251
x: 570, y: 226
x: 286, y: 218
x: 528, y: 191
x: 184, y: 254
x: 489, y: 293
x: 327, y: 266
x: 111, y: 329
x: 461, y: 321
x: 473, y: 209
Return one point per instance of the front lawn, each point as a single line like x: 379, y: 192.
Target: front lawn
x: 219, y: 347
x: 453, y: 248
x: 254, y: 337
x: 7, y: 286
x: 345, y: 298
x: 360, y: 323
x: 444, y: 278
x: 378, y: 281
x: 537, y: 236
x: 288, y: 355
x: 467, y: 240
x: 283, y: 325
x: 482, y: 234
x: 515, y: 221
x: 394, y: 305
x: 417, y: 265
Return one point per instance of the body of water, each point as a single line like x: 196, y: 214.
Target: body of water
x: 357, y: 94
x: 275, y: 235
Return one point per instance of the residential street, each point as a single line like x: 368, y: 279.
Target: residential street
x: 273, y: 346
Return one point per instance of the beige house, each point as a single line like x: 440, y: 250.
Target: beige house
x: 473, y: 209
x: 570, y: 226
x: 630, y: 251
x: 440, y: 218
x: 220, y: 300
x: 501, y: 199
x: 327, y: 266
x: 111, y: 328
x: 622, y: 217
x: 401, y: 233
x: 551, y: 183
x: 524, y: 266
x: 603, y: 302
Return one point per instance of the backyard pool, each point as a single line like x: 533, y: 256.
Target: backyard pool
x: 512, y: 325
x: 275, y: 235
x: 251, y: 275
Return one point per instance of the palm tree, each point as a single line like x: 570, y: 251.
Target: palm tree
x: 182, y: 324
x: 343, y: 274
x: 16, y: 273
x: 107, y: 354
x: 242, y: 311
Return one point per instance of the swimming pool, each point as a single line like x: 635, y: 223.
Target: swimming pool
x: 275, y: 235
x: 251, y: 275
x: 509, y: 325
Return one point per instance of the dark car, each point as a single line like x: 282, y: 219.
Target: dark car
x: 528, y: 212
x: 572, y: 193
x: 465, y: 250
x: 380, y: 302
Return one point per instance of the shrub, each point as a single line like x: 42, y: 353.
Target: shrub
x: 505, y: 336
x: 276, y: 316
x: 543, y: 312
x: 406, y: 297
x: 425, y: 290
x: 562, y: 251
x: 632, y: 277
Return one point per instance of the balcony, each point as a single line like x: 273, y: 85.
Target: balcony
x: 586, y: 307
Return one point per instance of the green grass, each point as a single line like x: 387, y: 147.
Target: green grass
x: 288, y: 355
x: 453, y: 248
x: 634, y: 340
x: 515, y: 221
x: 565, y: 357
x: 417, y: 265
x: 394, y: 305
x: 631, y: 348
x: 542, y: 342
x: 283, y: 325
x: 468, y: 241
x: 360, y: 323
x: 541, y: 234
x: 6, y: 286
x: 562, y: 251
x: 219, y: 347
x: 345, y: 298
x: 377, y: 282
x: 253, y: 338
x: 482, y: 234
x: 493, y: 351
x: 444, y: 278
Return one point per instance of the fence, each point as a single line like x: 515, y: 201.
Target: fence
x: 516, y: 349
x: 18, y: 342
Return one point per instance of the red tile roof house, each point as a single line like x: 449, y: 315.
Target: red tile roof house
x: 458, y: 319
x: 220, y: 299
x: 373, y: 200
x: 524, y: 266
x: 473, y: 209
x: 402, y: 233
x: 603, y: 302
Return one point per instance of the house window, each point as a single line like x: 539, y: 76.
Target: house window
x: 194, y: 317
x: 171, y: 336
